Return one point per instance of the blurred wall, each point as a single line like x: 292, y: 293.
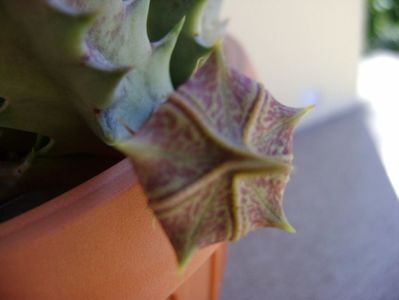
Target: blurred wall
x: 304, y: 51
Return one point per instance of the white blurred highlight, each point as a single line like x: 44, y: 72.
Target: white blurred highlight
x: 378, y: 85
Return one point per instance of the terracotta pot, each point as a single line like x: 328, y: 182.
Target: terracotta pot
x: 100, y: 241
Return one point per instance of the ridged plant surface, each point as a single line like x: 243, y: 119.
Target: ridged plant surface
x: 222, y: 150
x: 78, y: 77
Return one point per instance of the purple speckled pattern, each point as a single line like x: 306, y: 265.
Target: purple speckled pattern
x: 251, y: 210
x: 202, y: 216
x: 215, y: 158
x: 272, y: 133
x: 223, y: 98
x: 177, y: 149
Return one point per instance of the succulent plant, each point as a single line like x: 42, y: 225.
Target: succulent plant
x: 83, y: 81
x: 66, y: 64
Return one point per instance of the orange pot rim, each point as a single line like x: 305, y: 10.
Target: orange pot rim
x: 101, y: 231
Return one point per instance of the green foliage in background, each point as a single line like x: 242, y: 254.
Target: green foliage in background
x: 383, y: 25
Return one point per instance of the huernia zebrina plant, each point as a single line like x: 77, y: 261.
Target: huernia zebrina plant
x: 82, y: 81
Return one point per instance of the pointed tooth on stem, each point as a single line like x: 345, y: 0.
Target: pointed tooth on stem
x: 295, y: 119
x: 158, y: 67
x: 285, y: 225
x: 70, y: 27
x: 163, y: 49
x: 101, y: 84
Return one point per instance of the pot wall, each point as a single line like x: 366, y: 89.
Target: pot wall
x: 100, y: 241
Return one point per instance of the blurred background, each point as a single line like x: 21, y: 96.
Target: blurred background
x: 342, y: 56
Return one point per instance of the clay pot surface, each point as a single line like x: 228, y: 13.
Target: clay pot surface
x: 99, y: 241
